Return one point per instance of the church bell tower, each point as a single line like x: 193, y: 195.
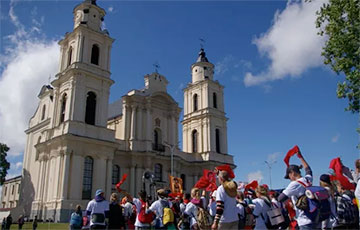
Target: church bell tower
x: 204, y: 124
x: 83, y: 82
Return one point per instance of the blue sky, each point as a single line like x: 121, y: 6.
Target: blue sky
x: 267, y: 55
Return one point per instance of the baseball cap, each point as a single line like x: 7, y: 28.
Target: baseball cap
x: 98, y: 192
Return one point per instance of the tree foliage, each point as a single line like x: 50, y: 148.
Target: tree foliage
x: 4, y: 164
x: 339, y: 21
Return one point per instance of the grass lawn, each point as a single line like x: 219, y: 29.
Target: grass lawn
x: 52, y: 226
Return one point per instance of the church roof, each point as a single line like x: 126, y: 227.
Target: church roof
x: 202, y: 56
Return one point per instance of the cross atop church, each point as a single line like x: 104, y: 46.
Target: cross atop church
x: 157, y: 66
x: 202, y: 41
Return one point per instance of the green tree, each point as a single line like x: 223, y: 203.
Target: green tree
x: 4, y: 164
x: 339, y: 21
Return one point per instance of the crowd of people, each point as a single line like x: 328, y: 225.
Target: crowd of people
x: 301, y: 205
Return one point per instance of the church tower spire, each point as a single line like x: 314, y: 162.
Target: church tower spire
x: 204, y: 124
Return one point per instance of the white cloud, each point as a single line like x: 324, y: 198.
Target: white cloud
x: 258, y: 175
x: 291, y: 43
x: 18, y: 165
x: 26, y: 65
x: 272, y: 158
x: 233, y: 65
x: 111, y: 9
x: 335, y: 138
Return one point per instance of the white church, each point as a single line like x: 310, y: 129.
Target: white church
x: 77, y: 142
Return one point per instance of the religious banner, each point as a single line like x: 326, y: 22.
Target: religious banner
x: 176, y: 186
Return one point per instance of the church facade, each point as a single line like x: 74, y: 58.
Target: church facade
x: 77, y: 142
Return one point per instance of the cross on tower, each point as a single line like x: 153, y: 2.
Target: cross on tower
x: 157, y: 66
x: 202, y: 41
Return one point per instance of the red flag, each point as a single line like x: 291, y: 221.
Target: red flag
x: 121, y: 182
x: 207, y: 181
x: 337, y: 166
x: 253, y: 185
x: 291, y: 153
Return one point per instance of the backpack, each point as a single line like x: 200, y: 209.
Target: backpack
x: 203, y: 219
x: 347, y: 212
x: 143, y: 217
x: 76, y: 220
x: 315, y: 203
x: 168, y: 214
x: 274, y: 217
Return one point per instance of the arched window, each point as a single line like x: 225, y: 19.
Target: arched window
x: 195, y: 102
x: 214, y: 100
x: 158, y: 172
x: 157, y: 144
x: 95, y: 51
x: 87, y: 178
x: 115, y: 174
x: 217, y: 141
x: 90, y: 108
x: 43, y: 112
x: 194, y: 141
x: 63, y: 108
x: 183, y: 178
x: 69, y: 56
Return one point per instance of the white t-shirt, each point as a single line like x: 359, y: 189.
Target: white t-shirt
x: 138, y: 205
x: 97, y: 207
x: 294, y: 190
x: 241, y: 210
x: 191, y: 210
x: 260, y: 210
x: 182, y: 207
x: 158, y: 209
x: 230, y: 213
x: 212, y: 208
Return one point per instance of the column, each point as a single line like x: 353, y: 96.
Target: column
x: 206, y: 137
x: 108, y: 177
x: 133, y: 122
x: 168, y: 129
x: 124, y: 118
x: 39, y: 180
x: 65, y: 176
x: 139, y: 125
x: 132, y: 180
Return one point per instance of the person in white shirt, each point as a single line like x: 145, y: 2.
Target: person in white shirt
x: 262, y: 205
x: 158, y: 207
x: 139, y: 203
x: 296, y: 188
x: 212, y: 204
x: 191, y: 209
x: 98, y: 210
x: 226, y: 211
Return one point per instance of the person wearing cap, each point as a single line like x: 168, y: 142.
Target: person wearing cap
x: 357, y: 189
x: 297, y: 188
x: 226, y: 211
x: 331, y: 222
x: 157, y: 207
x: 98, y: 210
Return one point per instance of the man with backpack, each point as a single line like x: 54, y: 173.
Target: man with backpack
x: 162, y: 209
x: 296, y: 189
x: 143, y: 219
x: 98, y: 210
x: 226, y: 211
